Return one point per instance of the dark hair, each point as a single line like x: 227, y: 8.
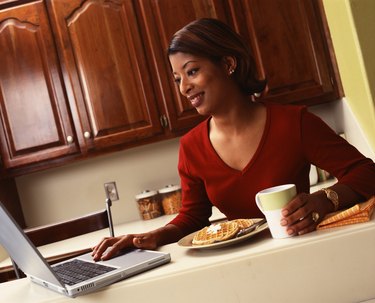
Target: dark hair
x: 213, y: 39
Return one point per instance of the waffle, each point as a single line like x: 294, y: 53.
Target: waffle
x: 216, y: 233
x: 244, y: 223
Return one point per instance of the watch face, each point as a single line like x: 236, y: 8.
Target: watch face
x: 333, y: 195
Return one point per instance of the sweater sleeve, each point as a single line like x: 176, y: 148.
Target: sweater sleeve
x: 329, y: 151
x: 196, y: 207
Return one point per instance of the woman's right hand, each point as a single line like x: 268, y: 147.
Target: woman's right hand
x: 110, y: 246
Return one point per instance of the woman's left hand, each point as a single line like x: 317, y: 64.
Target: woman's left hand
x: 302, y: 214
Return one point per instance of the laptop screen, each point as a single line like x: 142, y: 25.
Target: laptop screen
x: 31, y: 262
x: 22, y: 250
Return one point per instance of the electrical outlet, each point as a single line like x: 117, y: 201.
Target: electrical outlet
x: 111, y: 191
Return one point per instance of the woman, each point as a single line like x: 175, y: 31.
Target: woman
x: 245, y: 146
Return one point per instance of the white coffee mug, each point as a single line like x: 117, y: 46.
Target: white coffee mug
x: 270, y: 201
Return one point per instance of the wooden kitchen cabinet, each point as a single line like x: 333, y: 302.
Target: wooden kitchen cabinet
x: 35, y: 122
x: 289, y: 39
x: 99, y: 94
x: 292, y: 48
x: 106, y: 71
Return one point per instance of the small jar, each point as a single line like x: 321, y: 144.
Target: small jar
x: 149, y: 204
x: 170, y: 199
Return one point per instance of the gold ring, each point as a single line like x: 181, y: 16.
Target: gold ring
x: 315, y: 216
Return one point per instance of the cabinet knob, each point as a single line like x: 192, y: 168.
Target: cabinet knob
x: 69, y: 139
x: 87, y: 135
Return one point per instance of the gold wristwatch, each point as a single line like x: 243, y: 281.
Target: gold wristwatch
x: 332, y: 196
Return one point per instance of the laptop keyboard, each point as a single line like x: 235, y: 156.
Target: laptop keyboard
x: 75, y: 271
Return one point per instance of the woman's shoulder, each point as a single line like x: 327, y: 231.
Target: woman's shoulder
x: 281, y: 113
x: 285, y: 108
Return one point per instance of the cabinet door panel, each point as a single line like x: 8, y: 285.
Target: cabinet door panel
x: 34, y: 118
x: 162, y: 18
x: 101, y: 43
x: 291, y: 49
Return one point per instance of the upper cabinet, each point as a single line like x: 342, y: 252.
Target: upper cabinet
x: 106, y: 71
x: 289, y: 39
x: 80, y: 77
x: 35, y: 120
x: 291, y: 46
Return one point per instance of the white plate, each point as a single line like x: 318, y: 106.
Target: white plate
x: 187, y: 240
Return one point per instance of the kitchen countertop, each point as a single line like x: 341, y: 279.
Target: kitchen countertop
x: 135, y: 227
x: 333, y: 265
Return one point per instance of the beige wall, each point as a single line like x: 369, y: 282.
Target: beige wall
x: 78, y: 188
x: 351, y: 24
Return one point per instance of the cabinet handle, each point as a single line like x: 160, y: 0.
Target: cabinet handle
x: 164, y: 121
x: 69, y: 139
x: 87, y: 135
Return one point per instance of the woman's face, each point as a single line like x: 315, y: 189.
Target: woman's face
x: 201, y: 81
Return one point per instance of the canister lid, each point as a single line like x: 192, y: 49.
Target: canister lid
x: 169, y: 188
x: 146, y: 194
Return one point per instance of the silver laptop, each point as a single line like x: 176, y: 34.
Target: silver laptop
x: 57, y: 278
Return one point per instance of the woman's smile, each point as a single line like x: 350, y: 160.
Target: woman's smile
x: 196, y: 100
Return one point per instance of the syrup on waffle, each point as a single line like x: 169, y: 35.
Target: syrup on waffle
x: 216, y: 233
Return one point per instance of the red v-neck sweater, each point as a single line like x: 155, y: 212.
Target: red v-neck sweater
x: 293, y: 138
